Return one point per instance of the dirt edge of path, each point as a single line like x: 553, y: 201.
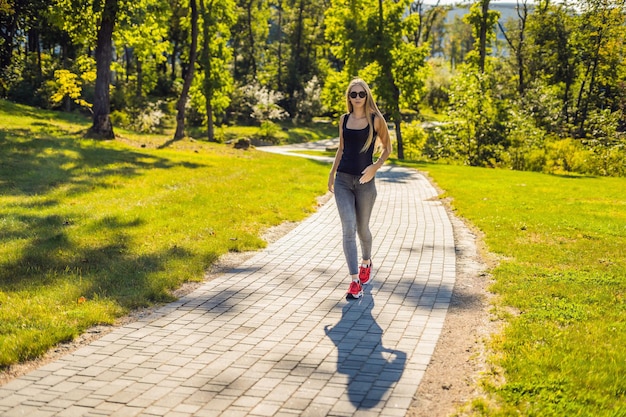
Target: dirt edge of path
x: 459, y: 361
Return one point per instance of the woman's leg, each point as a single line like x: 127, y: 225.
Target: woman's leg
x: 365, y: 196
x: 346, y: 205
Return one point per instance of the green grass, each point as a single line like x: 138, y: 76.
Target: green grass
x: 120, y: 225
x: 561, y: 285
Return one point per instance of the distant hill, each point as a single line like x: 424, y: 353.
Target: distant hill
x: 507, y: 10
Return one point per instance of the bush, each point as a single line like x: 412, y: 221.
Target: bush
x: 566, y: 156
x: 413, y: 138
x: 608, y: 162
x: 120, y: 119
x: 440, y: 143
x: 268, y: 132
x: 526, y: 151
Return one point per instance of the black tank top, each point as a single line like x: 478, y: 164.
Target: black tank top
x: 353, y: 161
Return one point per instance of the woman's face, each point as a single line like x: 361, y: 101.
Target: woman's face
x: 357, y: 96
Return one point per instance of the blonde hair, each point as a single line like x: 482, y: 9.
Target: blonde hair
x: 370, y: 108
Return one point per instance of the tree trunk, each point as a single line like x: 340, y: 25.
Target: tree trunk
x: 296, y: 66
x: 7, y: 41
x: 210, y: 124
x: 251, y: 40
x: 393, y: 101
x: 482, y: 36
x: 173, y: 60
x: 102, y: 127
x: 522, y: 13
x: 205, y: 62
x: 182, y: 101
x: 139, y: 91
x: 279, y: 75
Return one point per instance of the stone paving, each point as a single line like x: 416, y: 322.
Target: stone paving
x: 276, y: 336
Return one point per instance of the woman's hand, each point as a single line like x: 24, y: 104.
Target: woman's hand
x: 331, y: 183
x: 368, y: 174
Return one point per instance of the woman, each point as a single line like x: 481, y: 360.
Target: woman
x: 352, y: 178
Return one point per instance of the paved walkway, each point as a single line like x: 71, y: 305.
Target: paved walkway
x: 275, y: 336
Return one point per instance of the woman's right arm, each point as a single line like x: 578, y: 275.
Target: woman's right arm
x: 333, y: 170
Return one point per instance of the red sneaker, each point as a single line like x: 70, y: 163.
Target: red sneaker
x: 364, y: 273
x: 355, y: 291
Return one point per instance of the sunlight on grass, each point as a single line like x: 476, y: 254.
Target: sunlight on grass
x: 90, y: 230
x: 562, y: 267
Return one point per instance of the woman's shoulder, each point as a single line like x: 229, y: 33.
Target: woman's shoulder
x: 343, y: 119
x: 377, y: 119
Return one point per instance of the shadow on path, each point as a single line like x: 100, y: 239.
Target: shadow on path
x: 371, y: 368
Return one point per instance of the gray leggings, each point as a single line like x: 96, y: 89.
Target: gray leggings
x: 354, y: 203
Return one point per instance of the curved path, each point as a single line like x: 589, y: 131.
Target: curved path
x: 275, y: 336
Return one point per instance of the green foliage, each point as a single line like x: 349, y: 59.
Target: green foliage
x: 606, y: 142
x: 477, y: 118
x: 268, y: 132
x: 249, y: 36
x: 566, y: 155
x: 333, y: 91
x: 410, y: 72
x: 92, y: 229
x: 25, y: 80
x: 560, y: 75
x: 526, y: 151
x: 475, y: 19
x: 414, y: 140
x: 542, y: 103
x: 68, y: 87
x: 437, y: 85
x: 217, y: 18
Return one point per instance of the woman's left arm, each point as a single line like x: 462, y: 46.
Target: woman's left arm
x: 383, y: 135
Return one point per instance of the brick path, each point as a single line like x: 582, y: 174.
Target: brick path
x: 275, y: 336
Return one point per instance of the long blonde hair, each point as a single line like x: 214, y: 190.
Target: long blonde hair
x: 370, y: 108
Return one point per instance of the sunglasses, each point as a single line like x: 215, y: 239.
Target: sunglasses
x: 361, y: 94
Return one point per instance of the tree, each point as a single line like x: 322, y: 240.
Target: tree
x: 600, y: 40
x: 102, y: 126
x: 182, y: 100
x: 551, y: 55
x: 483, y: 22
x: 458, y: 42
x: 425, y: 22
x: 517, y: 42
x: 142, y: 35
x: 374, y: 40
x: 249, y: 37
x: 305, y: 34
x: 218, y: 17
x: 477, y: 117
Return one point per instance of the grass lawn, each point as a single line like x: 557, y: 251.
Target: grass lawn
x: 91, y: 229
x: 560, y: 281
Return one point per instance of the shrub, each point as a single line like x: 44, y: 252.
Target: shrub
x: 526, y: 143
x: 413, y: 139
x: 120, y: 118
x: 567, y: 155
x: 268, y: 132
